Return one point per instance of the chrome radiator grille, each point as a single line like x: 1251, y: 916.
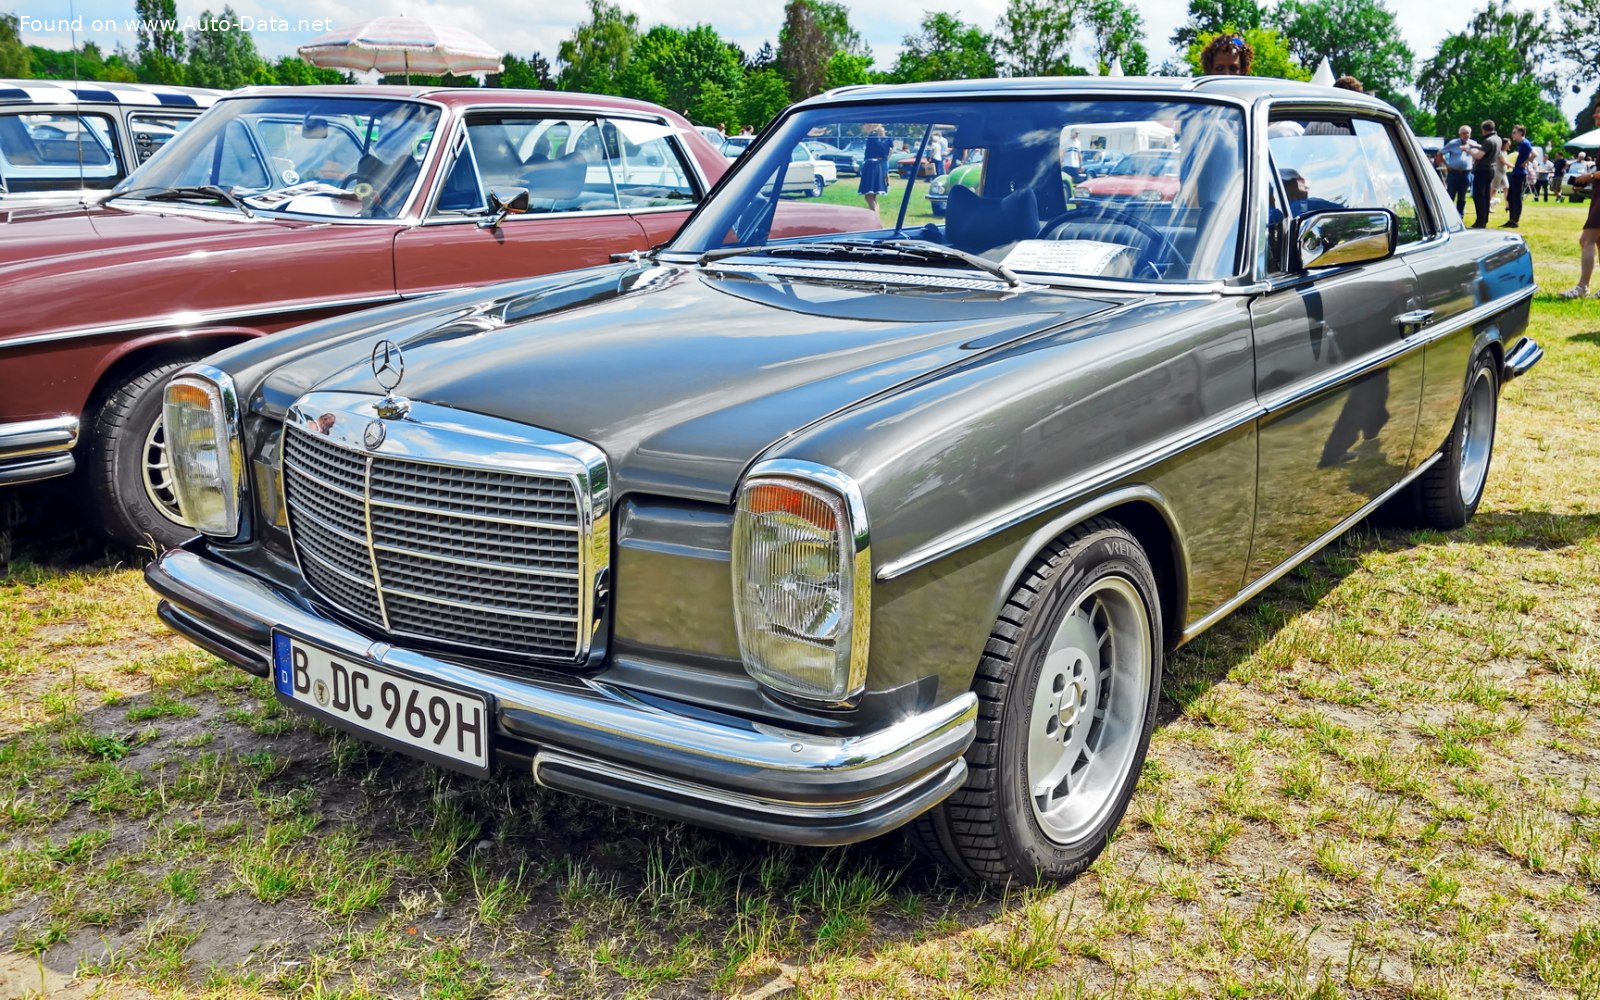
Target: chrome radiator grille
x: 480, y: 558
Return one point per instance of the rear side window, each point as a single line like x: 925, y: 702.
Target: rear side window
x: 1340, y: 162
x: 43, y: 151
x: 152, y: 131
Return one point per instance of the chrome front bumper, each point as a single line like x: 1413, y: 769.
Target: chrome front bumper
x: 592, y: 738
x: 31, y: 450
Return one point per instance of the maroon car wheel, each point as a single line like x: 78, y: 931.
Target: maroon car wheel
x: 129, y: 485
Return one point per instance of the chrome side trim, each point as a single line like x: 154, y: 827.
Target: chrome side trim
x: 847, y: 489
x: 1097, y: 478
x: 1295, y: 393
x: 187, y: 321
x: 38, y: 437
x: 1273, y: 575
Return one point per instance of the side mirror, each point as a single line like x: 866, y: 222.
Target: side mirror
x: 1331, y: 239
x: 504, y: 202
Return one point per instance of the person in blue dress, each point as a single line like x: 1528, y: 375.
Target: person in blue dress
x: 875, y: 166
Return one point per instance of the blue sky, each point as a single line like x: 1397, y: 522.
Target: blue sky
x: 524, y: 27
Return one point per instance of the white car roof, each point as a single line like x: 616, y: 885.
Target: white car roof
x: 100, y: 92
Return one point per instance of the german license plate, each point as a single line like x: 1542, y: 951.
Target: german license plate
x: 439, y: 724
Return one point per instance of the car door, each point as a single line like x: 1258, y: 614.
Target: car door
x: 574, y: 218
x: 1338, y: 367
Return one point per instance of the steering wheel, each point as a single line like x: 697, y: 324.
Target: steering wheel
x: 1094, y: 212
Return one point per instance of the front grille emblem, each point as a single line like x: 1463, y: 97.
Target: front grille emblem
x: 373, y: 436
x: 389, y: 368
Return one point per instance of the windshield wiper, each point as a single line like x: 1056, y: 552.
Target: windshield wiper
x: 931, y: 249
x: 859, y: 249
x: 211, y: 191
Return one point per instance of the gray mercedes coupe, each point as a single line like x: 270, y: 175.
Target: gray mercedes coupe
x: 811, y: 532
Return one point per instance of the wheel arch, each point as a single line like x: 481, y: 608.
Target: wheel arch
x: 1146, y: 515
x: 145, y: 352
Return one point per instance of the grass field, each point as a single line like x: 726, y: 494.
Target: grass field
x: 1380, y: 778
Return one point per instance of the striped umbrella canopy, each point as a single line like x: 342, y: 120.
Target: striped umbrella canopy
x: 402, y: 45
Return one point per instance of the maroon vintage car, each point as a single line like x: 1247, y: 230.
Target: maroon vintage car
x: 286, y: 205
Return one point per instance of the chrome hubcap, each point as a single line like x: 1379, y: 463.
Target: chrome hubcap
x: 1477, y: 437
x: 158, y: 473
x: 1088, y: 710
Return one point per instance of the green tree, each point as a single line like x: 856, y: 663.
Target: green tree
x: 594, y: 57
x: 814, y: 35
x: 1209, y: 17
x: 946, y: 48
x: 1583, y: 121
x: 1495, y: 70
x: 765, y: 93
x: 1117, y: 30
x: 221, y: 53
x: 1034, y: 37
x: 1359, y: 37
x: 1578, y: 39
x: 292, y: 71
x: 15, y: 60
x: 532, y: 73
x: 671, y: 66
x: 160, y: 46
x: 1271, y: 57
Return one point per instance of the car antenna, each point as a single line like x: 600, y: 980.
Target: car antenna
x: 77, y: 101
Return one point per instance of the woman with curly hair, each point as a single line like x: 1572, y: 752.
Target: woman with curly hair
x: 1227, y: 55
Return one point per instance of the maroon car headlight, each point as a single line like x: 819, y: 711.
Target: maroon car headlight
x: 802, y: 581
x: 204, y: 446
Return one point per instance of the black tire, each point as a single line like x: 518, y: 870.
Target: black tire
x: 115, y: 462
x: 817, y: 185
x: 1440, y: 499
x: 990, y: 828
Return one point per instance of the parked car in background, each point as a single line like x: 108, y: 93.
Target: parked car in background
x: 1574, y: 192
x: 814, y: 538
x: 845, y: 162
x: 285, y: 205
x: 968, y: 175
x: 1147, y: 176
x: 62, y: 142
x: 735, y: 145
x: 711, y: 135
x: 808, y: 174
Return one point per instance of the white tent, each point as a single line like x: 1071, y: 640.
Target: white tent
x: 1323, y: 77
x: 1588, y: 140
x: 1116, y: 67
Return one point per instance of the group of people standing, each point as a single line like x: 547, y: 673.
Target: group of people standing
x: 1493, y: 164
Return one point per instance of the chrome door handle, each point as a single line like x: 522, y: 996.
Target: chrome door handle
x: 1416, y: 317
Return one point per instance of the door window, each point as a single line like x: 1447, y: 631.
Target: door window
x: 648, y: 167
x: 1339, y: 162
x: 562, y: 162
x: 152, y: 131
x: 44, y: 150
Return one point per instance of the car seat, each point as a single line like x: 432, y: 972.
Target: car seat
x: 977, y: 224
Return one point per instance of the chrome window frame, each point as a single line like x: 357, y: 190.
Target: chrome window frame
x: 482, y: 443
x: 458, y: 132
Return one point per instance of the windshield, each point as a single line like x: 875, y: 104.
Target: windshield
x: 1018, y: 207
x: 313, y: 155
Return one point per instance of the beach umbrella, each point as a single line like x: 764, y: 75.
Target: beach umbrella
x: 402, y: 45
x: 1323, y: 77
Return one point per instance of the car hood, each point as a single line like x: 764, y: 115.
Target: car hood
x: 680, y: 376
x: 34, y: 235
